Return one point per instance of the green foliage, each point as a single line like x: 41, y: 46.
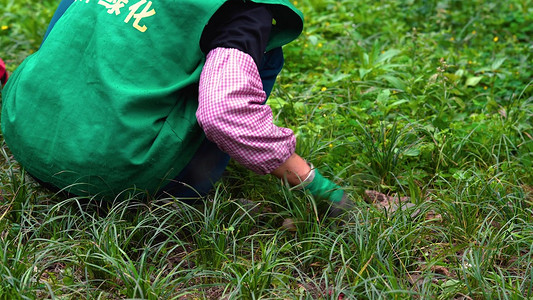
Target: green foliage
x: 428, y: 99
x: 22, y: 26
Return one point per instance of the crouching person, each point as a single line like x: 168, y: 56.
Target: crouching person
x: 156, y: 95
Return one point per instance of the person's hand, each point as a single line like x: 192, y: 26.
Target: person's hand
x: 299, y: 174
x: 326, y: 190
x: 339, y: 208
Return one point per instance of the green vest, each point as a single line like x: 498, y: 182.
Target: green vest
x: 109, y: 101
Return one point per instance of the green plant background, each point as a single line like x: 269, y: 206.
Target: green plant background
x: 431, y: 100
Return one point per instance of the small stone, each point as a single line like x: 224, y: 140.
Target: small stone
x: 289, y: 225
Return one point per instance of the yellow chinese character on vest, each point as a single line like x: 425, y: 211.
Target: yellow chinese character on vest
x: 146, y: 12
x: 113, y: 6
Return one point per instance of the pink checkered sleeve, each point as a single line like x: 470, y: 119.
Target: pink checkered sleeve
x: 232, y: 114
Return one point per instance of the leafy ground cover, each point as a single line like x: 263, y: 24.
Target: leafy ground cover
x: 428, y: 101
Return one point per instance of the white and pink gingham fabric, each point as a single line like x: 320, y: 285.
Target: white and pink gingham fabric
x: 232, y: 114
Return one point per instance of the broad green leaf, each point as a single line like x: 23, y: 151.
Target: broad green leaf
x: 458, y: 100
x: 387, y: 55
x: 396, y: 103
x: 366, y: 59
x: 363, y: 72
x: 412, y: 152
x: 473, y: 81
x: 383, y: 96
x: 497, y: 63
x: 313, y: 39
x: 340, y: 77
x: 395, y: 82
x: 276, y: 102
x: 452, y: 77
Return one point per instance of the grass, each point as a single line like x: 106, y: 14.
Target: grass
x: 431, y: 100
